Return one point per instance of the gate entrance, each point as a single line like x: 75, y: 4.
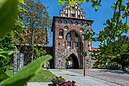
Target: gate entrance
x: 72, y: 62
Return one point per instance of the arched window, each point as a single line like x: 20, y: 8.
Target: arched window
x: 76, y: 44
x: 81, y: 30
x: 81, y: 23
x: 66, y: 15
x: 76, y: 37
x: 76, y: 23
x: 86, y: 24
x: 65, y: 22
x: 72, y: 7
x: 66, y: 28
x: 59, y: 21
x: 68, y: 43
x: 70, y: 22
x: 68, y: 36
x: 61, y: 33
x: 73, y: 40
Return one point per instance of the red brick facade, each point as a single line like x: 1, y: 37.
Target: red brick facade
x: 67, y: 36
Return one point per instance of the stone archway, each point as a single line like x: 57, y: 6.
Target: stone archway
x: 74, y: 60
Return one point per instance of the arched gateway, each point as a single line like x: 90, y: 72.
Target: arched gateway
x: 68, y: 42
x: 72, y: 62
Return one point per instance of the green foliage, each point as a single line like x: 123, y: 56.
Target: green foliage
x: 61, y: 2
x: 5, y: 42
x: 36, y: 15
x: 4, y: 60
x: 21, y: 1
x: 113, y: 46
x: 7, y: 18
x: 9, y: 72
x: 39, y: 52
x: 113, y: 56
x: 26, y: 73
x: 58, y: 78
x: 3, y: 76
x: 71, y: 2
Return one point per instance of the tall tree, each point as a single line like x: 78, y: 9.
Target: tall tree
x: 35, y: 17
x: 110, y: 45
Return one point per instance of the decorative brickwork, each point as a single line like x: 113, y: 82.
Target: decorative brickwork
x: 67, y: 36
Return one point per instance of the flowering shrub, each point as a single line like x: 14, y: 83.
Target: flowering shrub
x: 67, y: 83
x: 60, y: 81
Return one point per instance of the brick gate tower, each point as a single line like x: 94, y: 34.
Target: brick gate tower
x: 68, y: 42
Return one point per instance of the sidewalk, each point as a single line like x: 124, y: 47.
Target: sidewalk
x: 80, y: 80
x: 39, y: 84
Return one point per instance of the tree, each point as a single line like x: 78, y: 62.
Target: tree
x: 35, y: 17
x: 122, y: 52
x: 115, y: 56
x: 111, y: 47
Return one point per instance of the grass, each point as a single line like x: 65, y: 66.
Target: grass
x: 42, y: 76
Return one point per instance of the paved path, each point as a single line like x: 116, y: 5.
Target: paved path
x: 39, y: 84
x: 115, y: 76
x: 80, y: 80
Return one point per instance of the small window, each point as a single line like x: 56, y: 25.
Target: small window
x: 78, y: 16
x: 66, y: 15
x: 69, y: 43
x: 65, y: 22
x: 60, y: 33
x: 76, y: 23
x: 68, y: 35
x: 72, y: 8
x: 86, y: 24
x: 66, y: 28
x: 76, y: 44
x: 73, y: 15
x: 81, y: 23
x: 81, y: 30
x: 59, y: 21
x: 76, y: 36
x: 70, y: 22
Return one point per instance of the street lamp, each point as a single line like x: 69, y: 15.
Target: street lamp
x: 84, y: 54
x: 66, y: 65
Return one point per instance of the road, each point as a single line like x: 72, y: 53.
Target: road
x: 114, y: 76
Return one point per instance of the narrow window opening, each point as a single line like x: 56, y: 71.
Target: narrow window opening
x: 61, y: 33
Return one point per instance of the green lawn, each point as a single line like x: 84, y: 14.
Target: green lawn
x: 42, y: 76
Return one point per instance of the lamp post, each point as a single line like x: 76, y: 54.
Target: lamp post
x: 84, y: 54
x: 66, y: 65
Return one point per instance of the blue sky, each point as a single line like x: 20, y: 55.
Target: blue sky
x: 105, y: 12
